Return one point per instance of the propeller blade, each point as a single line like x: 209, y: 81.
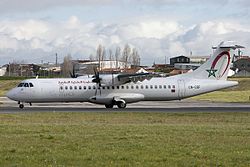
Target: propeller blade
x: 95, y: 91
x: 73, y: 73
x: 96, y: 77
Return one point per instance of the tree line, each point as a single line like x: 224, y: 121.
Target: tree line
x: 127, y: 55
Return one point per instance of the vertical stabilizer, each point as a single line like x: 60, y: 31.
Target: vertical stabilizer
x: 218, y: 65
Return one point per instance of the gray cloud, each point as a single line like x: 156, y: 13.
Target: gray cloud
x: 34, y: 5
x: 12, y: 6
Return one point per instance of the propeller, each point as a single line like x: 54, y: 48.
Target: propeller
x: 73, y: 73
x: 96, y: 77
x: 97, y: 80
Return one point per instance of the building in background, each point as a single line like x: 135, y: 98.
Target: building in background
x: 47, y: 69
x: 27, y: 70
x: 105, y: 66
x: 163, y: 68
x: 179, y: 59
x: 198, y: 59
x: 242, y: 67
x: 3, y: 70
x: 186, y: 66
x: 31, y: 70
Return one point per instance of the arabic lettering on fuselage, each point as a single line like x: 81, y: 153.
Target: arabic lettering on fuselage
x: 72, y: 82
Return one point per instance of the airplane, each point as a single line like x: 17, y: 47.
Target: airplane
x: 122, y: 89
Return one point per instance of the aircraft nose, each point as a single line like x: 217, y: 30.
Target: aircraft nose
x: 11, y: 94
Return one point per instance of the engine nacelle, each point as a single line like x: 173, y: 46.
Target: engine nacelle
x: 110, y: 80
x: 117, y: 97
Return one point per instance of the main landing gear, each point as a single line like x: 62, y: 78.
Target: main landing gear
x: 109, y: 105
x: 119, y: 104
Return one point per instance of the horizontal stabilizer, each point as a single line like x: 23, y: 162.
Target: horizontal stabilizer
x: 228, y: 44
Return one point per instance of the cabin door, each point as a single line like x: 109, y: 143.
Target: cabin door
x: 181, y: 88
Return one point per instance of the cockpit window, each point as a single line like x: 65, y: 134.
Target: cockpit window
x: 31, y: 85
x: 21, y: 85
x: 26, y: 85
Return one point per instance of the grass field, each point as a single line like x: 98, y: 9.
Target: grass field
x: 6, y: 85
x: 125, y: 139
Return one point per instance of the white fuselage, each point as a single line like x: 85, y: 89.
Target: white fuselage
x: 83, y: 90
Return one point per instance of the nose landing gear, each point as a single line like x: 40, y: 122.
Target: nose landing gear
x: 21, y: 106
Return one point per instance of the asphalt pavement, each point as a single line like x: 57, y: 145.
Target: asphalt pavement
x: 8, y: 106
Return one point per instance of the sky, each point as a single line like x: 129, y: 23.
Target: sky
x: 33, y: 31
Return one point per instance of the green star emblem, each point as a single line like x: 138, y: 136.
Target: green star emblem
x: 211, y: 72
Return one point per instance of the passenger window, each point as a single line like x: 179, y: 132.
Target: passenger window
x: 61, y: 87
x: 122, y: 87
x: 146, y: 86
x: 84, y: 87
x: 107, y: 87
x: 169, y: 87
x: 160, y: 87
x: 173, y: 86
x: 80, y: 87
x: 165, y: 87
x: 70, y: 87
x: 113, y: 87
x: 137, y: 87
x: 127, y: 87
x: 156, y: 87
x: 89, y: 87
x: 66, y: 87
x: 94, y: 87
x: 151, y: 86
x: 26, y: 85
x: 132, y: 87
x: 103, y: 87
x: 75, y: 87
x: 31, y: 85
x: 118, y: 87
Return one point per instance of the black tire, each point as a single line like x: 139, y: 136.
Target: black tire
x: 121, y: 105
x: 109, y: 105
x: 21, y: 106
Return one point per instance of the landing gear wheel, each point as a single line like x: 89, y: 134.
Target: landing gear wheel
x: 121, y: 105
x: 109, y: 105
x: 21, y: 106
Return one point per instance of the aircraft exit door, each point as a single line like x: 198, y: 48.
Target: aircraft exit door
x: 181, y: 88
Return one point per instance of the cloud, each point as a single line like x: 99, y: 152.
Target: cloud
x: 15, y: 6
x: 35, y: 40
